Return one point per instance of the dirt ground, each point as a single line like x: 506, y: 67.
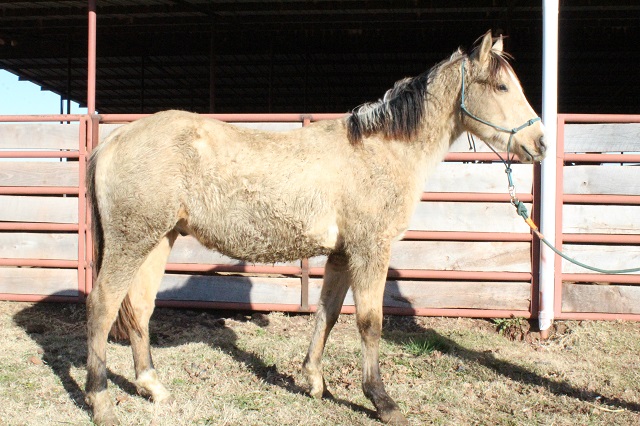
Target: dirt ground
x: 228, y: 368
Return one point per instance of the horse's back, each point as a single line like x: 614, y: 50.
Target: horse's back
x: 254, y: 195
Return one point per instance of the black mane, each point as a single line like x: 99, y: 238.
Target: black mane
x: 397, y: 116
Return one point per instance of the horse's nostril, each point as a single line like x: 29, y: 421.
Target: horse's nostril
x: 542, y: 143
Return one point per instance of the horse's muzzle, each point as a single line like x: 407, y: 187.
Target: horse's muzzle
x: 542, y: 146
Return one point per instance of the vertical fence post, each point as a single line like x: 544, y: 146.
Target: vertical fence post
x: 559, y: 191
x: 92, y: 136
x: 304, y: 263
x: 91, y: 59
x: 550, y: 10
x: 83, y: 234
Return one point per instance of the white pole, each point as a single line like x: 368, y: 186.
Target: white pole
x: 548, y: 168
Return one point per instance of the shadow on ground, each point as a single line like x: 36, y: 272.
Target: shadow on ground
x: 507, y: 369
x: 60, y: 330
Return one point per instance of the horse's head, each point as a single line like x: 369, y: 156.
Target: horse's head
x: 493, y: 104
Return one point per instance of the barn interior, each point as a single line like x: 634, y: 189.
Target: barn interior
x: 246, y: 56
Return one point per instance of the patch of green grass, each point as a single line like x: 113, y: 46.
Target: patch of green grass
x: 248, y: 402
x: 506, y: 326
x: 422, y: 346
x: 178, y: 381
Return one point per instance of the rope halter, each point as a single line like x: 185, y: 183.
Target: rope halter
x: 511, y: 132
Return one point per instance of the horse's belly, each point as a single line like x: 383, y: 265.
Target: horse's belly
x: 258, y: 237
x: 270, y: 247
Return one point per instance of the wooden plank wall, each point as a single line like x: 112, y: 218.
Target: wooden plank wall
x: 488, y: 257
x: 30, y: 246
x: 591, y: 218
x: 270, y: 289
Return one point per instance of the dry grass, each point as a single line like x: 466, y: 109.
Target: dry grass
x: 244, y: 370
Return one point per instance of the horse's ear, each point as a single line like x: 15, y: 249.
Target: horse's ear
x: 497, y: 46
x: 483, y: 51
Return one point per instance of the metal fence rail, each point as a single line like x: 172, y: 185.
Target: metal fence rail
x: 78, y: 153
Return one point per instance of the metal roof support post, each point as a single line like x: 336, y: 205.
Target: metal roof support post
x: 212, y: 72
x: 91, y: 60
x: 550, y: 10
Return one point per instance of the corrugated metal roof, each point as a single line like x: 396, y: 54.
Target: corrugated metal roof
x: 294, y: 55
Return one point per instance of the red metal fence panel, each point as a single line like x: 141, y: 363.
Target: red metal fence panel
x: 597, y: 211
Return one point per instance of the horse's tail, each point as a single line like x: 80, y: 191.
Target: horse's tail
x: 126, y: 322
x: 96, y: 223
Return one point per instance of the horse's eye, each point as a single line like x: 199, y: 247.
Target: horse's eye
x: 503, y: 87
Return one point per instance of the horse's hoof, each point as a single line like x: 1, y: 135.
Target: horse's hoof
x: 148, y: 385
x: 167, y: 399
x: 105, y: 417
x: 317, y: 385
x: 316, y: 393
x: 102, y: 409
x: 394, y: 418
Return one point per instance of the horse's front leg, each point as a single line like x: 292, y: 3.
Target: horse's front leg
x: 370, y: 276
x: 334, y: 289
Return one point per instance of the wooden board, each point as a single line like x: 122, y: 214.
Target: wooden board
x: 233, y: 289
x: 105, y: 130
x: 600, y: 219
x: 618, y: 299
x: 446, y: 295
x: 39, y: 173
x: 38, y: 209
x: 24, y: 245
x: 602, y: 137
x: 609, y: 179
x: 406, y: 294
x: 437, y: 255
x: 189, y: 250
x: 471, y: 295
x: 24, y: 136
x: 59, y: 282
x: 462, y: 256
x: 482, y: 177
x: 600, y: 256
x: 468, y: 217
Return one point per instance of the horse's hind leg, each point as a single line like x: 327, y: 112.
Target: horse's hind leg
x: 141, y: 297
x: 114, y: 279
x: 334, y: 289
x: 370, y: 273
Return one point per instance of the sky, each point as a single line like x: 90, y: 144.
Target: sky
x: 23, y: 97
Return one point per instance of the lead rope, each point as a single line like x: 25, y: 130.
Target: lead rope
x: 522, y: 211
x: 521, y: 208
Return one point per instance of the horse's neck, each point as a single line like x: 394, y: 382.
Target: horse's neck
x: 441, y: 125
x: 442, y: 119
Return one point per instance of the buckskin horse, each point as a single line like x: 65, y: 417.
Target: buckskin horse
x: 344, y: 188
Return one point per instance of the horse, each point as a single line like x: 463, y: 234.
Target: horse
x: 344, y: 188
